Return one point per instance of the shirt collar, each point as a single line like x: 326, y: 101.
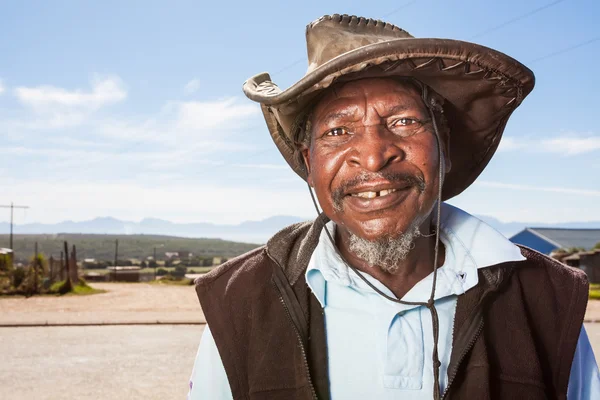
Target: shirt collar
x: 470, y: 244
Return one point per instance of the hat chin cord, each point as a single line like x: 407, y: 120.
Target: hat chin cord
x: 430, y: 303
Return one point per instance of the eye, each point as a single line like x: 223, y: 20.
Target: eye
x: 404, y: 122
x: 337, y: 132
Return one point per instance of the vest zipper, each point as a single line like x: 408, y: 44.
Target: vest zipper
x: 463, y: 354
x: 302, y: 348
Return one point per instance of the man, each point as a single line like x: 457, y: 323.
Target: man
x: 390, y: 294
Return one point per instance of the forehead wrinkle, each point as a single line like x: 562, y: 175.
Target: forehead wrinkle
x: 361, y: 97
x: 344, y: 110
x: 337, y: 115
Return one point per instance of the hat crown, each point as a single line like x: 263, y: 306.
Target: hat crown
x: 334, y: 35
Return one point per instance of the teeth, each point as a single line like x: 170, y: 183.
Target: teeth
x: 367, y: 195
x: 372, y: 195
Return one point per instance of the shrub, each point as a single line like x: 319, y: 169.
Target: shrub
x: 161, y: 272
x: 18, y: 277
x: 179, y: 271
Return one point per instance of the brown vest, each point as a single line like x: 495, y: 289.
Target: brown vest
x: 514, y: 335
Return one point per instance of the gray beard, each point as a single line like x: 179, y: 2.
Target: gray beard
x: 385, y: 253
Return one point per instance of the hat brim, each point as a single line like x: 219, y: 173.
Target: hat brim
x: 481, y: 86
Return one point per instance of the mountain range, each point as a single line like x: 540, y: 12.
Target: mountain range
x: 249, y: 231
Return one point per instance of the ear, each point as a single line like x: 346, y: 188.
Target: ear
x: 305, y: 151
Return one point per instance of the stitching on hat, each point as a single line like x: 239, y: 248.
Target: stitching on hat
x: 425, y: 64
x: 458, y: 64
x: 353, y: 19
x: 468, y: 69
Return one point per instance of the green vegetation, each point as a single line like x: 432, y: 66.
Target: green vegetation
x: 173, y: 280
x: 159, y: 271
x: 27, y: 280
x: 595, y: 291
x: 102, y: 247
x: 81, y: 289
x: 597, y: 246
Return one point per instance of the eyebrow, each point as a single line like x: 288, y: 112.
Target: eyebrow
x: 401, y: 107
x: 336, y: 116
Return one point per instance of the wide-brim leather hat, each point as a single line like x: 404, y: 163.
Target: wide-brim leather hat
x: 481, y: 86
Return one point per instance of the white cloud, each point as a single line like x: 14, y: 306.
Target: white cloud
x: 510, y: 186
x: 104, y: 91
x: 173, y: 152
x: 567, y: 145
x: 208, y: 115
x: 57, y: 107
x: 192, y: 86
x: 571, y: 145
x: 262, y: 166
x: 1, y: 87
x: 510, y: 144
x: 195, y: 121
x: 59, y: 201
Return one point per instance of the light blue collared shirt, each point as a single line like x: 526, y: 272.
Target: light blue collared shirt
x: 383, y: 350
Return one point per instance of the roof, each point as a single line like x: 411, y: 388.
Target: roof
x: 124, y: 268
x: 5, y: 250
x: 568, y: 238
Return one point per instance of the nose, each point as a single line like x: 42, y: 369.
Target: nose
x: 376, y: 149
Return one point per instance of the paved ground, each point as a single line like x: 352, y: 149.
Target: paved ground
x: 97, y: 362
x: 593, y: 311
x: 113, y: 362
x: 106, y: 362
x: 123, y: 302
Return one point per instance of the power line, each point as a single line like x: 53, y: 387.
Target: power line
x: 519, y: 18
x: 298, y: 61
x: 410, y: 3
x: 565, y: 50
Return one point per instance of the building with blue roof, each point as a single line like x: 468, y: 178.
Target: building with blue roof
x: 546, y: 240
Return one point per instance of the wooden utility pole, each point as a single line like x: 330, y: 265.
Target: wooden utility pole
x: 67, y: 261
x: 12, y: 207
x: 62, y: 267
x: 155, y: 264
x: 35, y: 269
x: 51, y: 267
x: 74, y: 269
x: 116, y: 258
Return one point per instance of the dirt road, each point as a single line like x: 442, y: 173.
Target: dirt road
x: 123, y: 302
x: 126, y: 302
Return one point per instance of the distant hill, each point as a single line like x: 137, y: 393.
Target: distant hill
x: 249, y: 231
x: 102, y: 247
x: 152, y: 231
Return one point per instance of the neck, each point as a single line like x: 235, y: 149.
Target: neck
x: 417, y: 265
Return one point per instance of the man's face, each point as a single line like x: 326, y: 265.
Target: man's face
x: 373, y: 158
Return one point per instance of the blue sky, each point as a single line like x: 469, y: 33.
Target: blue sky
x: 134, y: 109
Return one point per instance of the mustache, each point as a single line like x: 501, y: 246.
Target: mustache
x: 339, y: 193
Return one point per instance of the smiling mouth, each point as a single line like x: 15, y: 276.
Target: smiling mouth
x: 372, y: 195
